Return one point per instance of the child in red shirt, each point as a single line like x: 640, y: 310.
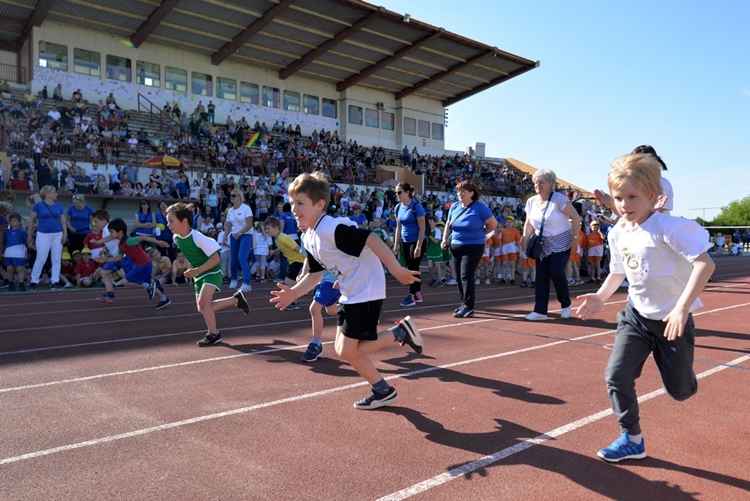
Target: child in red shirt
x: 86, y: 270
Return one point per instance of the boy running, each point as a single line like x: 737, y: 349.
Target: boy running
x: 202, y: 253
x: 354, y: 256
x: 664, y: 259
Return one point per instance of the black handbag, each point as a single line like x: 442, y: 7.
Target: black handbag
x: 534, y: 247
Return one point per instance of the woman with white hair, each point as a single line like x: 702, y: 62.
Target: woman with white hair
x: 550, y: 215
x: 238, y: 234
x: 51, y: 233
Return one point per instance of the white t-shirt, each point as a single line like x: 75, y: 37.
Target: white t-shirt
x: 666, y: 187
x: 263, y: 244
x: 238, y: 218
x: 656, y: 258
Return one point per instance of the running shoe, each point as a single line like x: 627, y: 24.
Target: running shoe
x: 107, y: 298
x: 210, y: 339
x: 314, y: 350
x: 409, y: 334
x: 375, y: 400
x: 163, y: 303
x: 623, y: 448
x: 241, y: 302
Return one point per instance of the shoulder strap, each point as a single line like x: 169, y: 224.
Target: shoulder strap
x: 450, y: 223
x: 541, y: 229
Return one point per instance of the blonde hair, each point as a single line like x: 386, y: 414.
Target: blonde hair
x: 549, y: 175
x: 643, y: 170
x: 46, y: 190
x: 313, y: 185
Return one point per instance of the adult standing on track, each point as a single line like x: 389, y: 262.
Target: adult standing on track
x: 238, y: 234
x: 51, y: 233
x: 409, y: 238
x: 469, y: 222
x: 78, y: 222
x: 561, y: 227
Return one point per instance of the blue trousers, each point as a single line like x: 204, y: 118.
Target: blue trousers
x: 240, y: 250
x: 551, y: 267
x: 636, y: 338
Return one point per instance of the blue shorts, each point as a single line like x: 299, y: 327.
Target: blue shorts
x: 15, y: 261
x: 326, y: 295
x: 140, y: 274
x: 125, y: 263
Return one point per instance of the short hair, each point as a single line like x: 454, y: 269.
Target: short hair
x: 643, y: 170
x: 180, y: 211
x: 46, y: 190
x: 272, y: 221
x: 118, y: 224
x: 14, y: 215
x: 314, y: 185
x: 649, y: 150
x: 101, y: 214
x: 467, y: 186
x: 549, y: 175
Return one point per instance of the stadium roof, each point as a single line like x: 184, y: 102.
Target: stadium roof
x: 344, y: 42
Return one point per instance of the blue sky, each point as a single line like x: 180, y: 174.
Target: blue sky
x: 613, y: 75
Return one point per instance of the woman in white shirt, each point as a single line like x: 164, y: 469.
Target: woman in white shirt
x: 238, y: 233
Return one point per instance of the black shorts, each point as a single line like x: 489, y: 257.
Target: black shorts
x: 293, y: 270
x: 360, y: 320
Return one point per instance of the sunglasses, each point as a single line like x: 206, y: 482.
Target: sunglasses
x: 233, y: 196
x: 399, y: 192
x: 77, y: 197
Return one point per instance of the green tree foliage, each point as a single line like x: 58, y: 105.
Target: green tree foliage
x: 737, y: 213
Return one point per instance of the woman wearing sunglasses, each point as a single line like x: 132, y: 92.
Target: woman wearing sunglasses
x: 409, y: 238
x: 238, y: 234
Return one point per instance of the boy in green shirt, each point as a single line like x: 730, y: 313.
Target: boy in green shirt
x: 202, y: 253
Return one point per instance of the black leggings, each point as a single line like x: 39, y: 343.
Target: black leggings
x: 407, y: 249
x: 466, y: 258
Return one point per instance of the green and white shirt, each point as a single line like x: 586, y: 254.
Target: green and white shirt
x: 198, y: 248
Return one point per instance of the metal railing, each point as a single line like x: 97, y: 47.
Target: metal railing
x: 12, y: 73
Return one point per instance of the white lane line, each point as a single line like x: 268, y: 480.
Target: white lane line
x: 527, y: 444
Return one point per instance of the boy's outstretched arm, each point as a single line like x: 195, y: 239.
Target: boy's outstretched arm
x: 703, y: 268
x: 592, y: 303
x: 403, y: 275
x: 287, y: 295
x: 146, y: 238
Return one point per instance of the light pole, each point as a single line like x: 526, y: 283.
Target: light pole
x: 703, y: 219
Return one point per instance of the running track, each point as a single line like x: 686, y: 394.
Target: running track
x: 117, y: 402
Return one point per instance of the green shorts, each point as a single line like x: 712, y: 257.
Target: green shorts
x: 211, y: 278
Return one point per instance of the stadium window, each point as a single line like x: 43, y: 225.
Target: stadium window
x: 438, y: 132
x: 148, y: 73
x: 271, y: 97
x: 330, y: 108
x: 387, y: 121
x: 54, y: 56
x: 291, y: 100
x: 201, y: 84
x: 175, y: 79
x: 410, y: 126
x: 311, y: 105
x: 249, y: 93
x: 118, y: 68
x: 355, y: 115
x: 226, y: 88
x: 87, y: 62
x: 424, y: 128
x: 371, y: 118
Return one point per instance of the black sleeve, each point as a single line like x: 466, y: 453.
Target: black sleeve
x: 350, y: 239
x: 312, y: 265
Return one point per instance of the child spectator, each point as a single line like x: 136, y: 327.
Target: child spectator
x: 162, y: 267
x: 491, y: 244
x: 665, y: 261
x: 573, y: 268
x: 179, y: 266
x: 290, y: 250
x: 595, y: 251
x: 528, y: 267
x: 202, y: 254
x: 261, y: 248
x: 86, y: 272
x: 353, y: 255
x: 14, y: 256
x: 511, y: 242
x: 434, y: 253
x: 140, y: 275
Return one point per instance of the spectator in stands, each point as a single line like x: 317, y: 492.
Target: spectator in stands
x: 560, y: 232
x: 57, y: 93
x: 83, y: 182
x: 48, y: 217
x: 20, y: 182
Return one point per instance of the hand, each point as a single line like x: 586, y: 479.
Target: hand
x: 417, y: 252
x: 406, y: 276
x: 591, y: 304
x: 191, y: 272
x: 282, y: 297
x: 603, y: 198
x: 443, y: 245
x: 661, y: 201
x: 395, y: 249
x: 236, y: 236
x: 336, y: 285
x: 675, y: 321
x: 63, y: 239
x: 162, y: 243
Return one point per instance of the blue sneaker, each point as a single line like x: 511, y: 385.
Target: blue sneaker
x: 623, y: 448
x: 409, y: 301
x: 163, y: 303
x: 151, y: 290
x: 293, y: 306
x: 313, y: 352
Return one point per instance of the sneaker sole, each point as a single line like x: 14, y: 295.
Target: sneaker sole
x: 105, y: 301
x: 414, y: 334
x: 468, y: 314
x: 376, y: 404
x: 161, y: 306
x: 203, y: 345
x: 242, y: 302
x: 617, y: 460
x: 304, y: 359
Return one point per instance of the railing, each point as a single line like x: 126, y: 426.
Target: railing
x: 153, y: 110
x: 13, y: 73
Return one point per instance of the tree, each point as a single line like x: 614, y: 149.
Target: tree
x: 737, y: 213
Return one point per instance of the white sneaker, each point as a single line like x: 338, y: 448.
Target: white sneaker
x: 535, y: 317
x: 565, y: 313
x: 477, y: 281
x: 233, y: 284
x: 452, y: 281
x: 246, y: 288
x: 68, y: 286
x: 487, y: 281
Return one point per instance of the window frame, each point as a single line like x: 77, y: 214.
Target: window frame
x: 168, y: 84
x: 61, y: 65
x: 243, y: 99
x: 223, y: 81
x: 90, y: 70
x: 138, y: 67
x: 207, y: 89
x: 110, y: 67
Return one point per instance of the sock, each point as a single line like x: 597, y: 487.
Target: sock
x: 398, y: 332
x: 635, y: 438
x: 316, y: 340
x: 381, y: 387
x: 145, y: 286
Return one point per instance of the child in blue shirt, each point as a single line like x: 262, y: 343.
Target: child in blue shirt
x: 15, y: 252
